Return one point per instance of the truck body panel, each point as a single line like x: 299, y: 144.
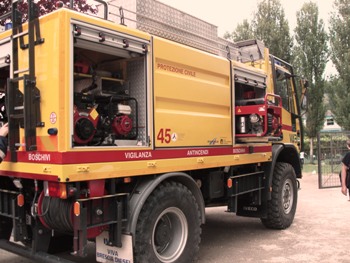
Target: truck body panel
x: 190, y: 93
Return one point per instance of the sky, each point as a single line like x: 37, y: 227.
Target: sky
x: 226, y: 14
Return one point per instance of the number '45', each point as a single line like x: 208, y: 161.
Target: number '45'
x: 164, y: 135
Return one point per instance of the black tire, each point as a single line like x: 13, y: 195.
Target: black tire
x: 169, y: 226
x: 282, y: 206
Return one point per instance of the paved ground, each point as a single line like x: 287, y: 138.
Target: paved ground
x: 319, y: 233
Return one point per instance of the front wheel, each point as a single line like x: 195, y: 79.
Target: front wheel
x: 169, y: 226
x: 282, y: 206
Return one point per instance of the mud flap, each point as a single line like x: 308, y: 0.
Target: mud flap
x: 248, y: 209
x: 108, y: 253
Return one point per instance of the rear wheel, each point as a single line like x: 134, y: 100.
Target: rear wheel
x: 282, y: 206
x: 168, y: 229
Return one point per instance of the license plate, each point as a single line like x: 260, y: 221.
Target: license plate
x: 109, y: 254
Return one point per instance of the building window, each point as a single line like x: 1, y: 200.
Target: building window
x: 330, y: 121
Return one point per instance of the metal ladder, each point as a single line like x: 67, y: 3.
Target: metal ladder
x: 23, y: 109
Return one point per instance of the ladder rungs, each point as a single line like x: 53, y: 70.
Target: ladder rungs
x: 20, y: 34
x: 17, y: 79
x: 21, y: 71
x: 19, y: 108
x: 17, y: 116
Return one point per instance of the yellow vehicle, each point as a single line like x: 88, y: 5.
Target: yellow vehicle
x: 122, y: 136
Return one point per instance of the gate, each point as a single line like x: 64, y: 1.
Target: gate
x: 331, y: 147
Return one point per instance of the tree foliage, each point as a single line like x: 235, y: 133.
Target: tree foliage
x: 312, y: 53
x: 47, y: 6
x: 270, y: 25
x: 340, y: 55
x: 243, y: 31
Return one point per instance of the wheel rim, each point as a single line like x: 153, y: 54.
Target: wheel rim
x: 170, y: 234
x: 287, y: 196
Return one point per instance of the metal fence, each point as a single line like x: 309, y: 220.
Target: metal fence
x: 331, y: 147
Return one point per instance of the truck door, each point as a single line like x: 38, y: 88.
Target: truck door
x: 284, y: 86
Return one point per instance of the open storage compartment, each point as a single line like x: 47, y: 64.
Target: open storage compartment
x: 109, y: 95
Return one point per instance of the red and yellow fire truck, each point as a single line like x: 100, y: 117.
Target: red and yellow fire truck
x: 122, y: 135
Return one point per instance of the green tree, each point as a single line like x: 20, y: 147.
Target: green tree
x: 312, y: 53
x: 47, y: 6
x: 243, y: 31
x: 271, y: 26
x: 340, y: 55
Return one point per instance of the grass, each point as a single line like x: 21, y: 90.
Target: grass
x: 308, y: 167
x: 325, y: 166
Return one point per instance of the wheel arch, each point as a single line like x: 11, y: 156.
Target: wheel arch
x: 286, y: 153
x: 145, y: 187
